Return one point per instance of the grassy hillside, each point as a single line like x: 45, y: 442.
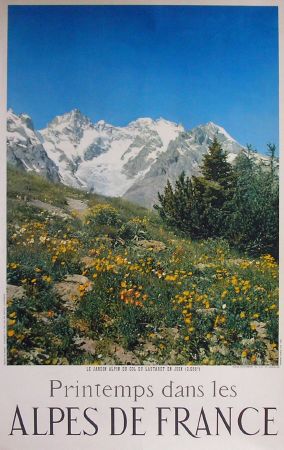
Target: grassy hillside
x: 101, y: 281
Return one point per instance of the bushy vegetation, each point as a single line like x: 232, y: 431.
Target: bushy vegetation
x: 116, y: 286
x: 237, y: 202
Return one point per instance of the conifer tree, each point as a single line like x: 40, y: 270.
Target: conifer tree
x: 253, y: 220
x: 215, y: 166
x: 176, y: 203
x: 213, y: 188
x: 196, y: 205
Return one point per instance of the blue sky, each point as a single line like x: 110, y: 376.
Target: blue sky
x: 187, y: 64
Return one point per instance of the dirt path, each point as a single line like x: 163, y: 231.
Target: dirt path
x: 77, y: 206
x: 50, y: 208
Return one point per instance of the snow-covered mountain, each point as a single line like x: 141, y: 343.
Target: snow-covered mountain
x: 102, y: 158
x: 24, y: 147
x: 134, y: 161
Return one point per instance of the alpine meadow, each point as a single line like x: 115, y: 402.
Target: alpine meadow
x: 100, y: 280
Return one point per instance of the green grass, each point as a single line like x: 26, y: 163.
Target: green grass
x: 193, y: 302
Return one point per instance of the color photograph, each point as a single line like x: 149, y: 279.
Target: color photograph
x: 143, y: 185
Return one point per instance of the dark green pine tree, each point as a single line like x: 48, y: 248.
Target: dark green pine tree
x: 214, y: 188
x: 253, y: 223
x: 215, y: 166
x: 175, y: 203
x: 166, y: 208
x: 197, y: 206
x: 272, y: 159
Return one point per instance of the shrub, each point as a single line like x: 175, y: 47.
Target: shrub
x: 134, y: 229
x: 103, y: 214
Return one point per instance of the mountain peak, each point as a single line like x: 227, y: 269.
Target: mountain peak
x: 20, y: 120
x: 212, y: 125
x: 210, y: 130
x: 76, y: 114
x: 73, y: 118
x: 27, y: 120
x: 76, y: 111
x: 141, y: 122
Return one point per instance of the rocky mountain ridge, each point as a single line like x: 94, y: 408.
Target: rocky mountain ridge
x: 133, y: 161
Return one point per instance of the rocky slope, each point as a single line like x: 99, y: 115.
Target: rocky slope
x: 24, y: 147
